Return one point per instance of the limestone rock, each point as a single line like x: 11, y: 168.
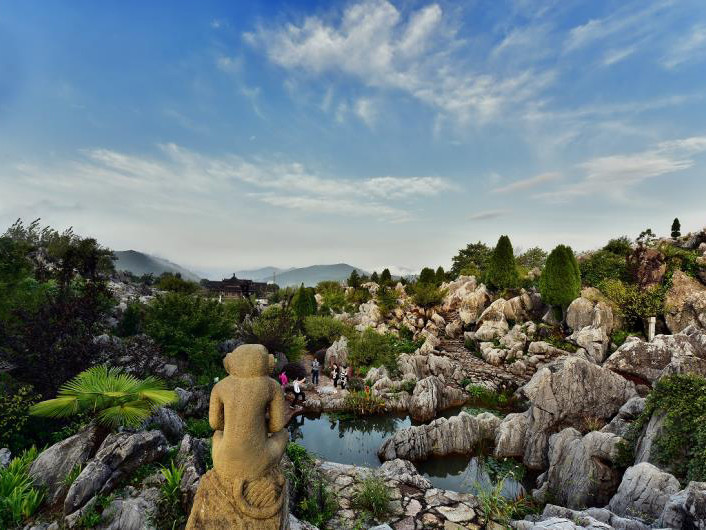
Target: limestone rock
x: 581, y: 471
x: 405, y: 472
x: 454, y: 329
x: 132, y: 513
x: 52, y: 466
x: 666, y: 354
x: 438, y: 320
x: 686, y: 509
x: 685, y: 303
x: 648, y: 266
x: 296, y: 524
x: 584, y: 312
x: 643, y: 492
x: 118, y: 456
x: 653, y: 429
x: 628, y: 413
x: 192, y: 456
x: 368, y: 315
x: 5, y: 457
x: 492, y: 323
x: 565, y: 393
x: 594, y: 340
x: 459, y: 434
x: 168, y: 421
x: 430, y: 396
x: 337, y: 353
x: 430, y: 344
x: 526, y: 306
x: 594, y: 518
x: 510, y: 436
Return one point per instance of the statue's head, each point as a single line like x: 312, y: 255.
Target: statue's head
x: 249, y: 360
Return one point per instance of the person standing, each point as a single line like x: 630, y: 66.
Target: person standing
x: 343, y: 378
x: 283, y: 379
x: 334, y: 374
x: 298, y: 392
x: 315, y: 371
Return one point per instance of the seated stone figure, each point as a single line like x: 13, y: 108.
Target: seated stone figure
x: 246, y: 487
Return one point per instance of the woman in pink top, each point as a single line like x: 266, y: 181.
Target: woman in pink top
x: 283, y: 379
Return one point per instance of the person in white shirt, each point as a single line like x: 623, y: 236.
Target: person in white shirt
x: 298, y: 392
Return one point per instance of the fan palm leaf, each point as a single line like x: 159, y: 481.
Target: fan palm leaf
x: 115, y: 397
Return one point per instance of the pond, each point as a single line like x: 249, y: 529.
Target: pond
x: 351, y: 440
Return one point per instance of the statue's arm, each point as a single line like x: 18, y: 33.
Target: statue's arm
x: 276, y: 408
x: 215, y: 410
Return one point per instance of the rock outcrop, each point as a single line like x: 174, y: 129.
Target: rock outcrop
x: 431, y: 396
x: 336, y: 353
x: 666, y: 354
x: 644, y: 492
x: 560, y: 518
x: 459, y: 434
x: 686, y: 509
x: 54, y: 464
x: 134, y: 511
x: 118, y: 456
x: 581, y: 468
x: 685, y: 303
x: 563, y: 394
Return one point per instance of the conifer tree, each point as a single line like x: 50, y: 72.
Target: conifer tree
x: 502, y: 270
x: 374, y: 277
x: 354, y: 279
x: 440, y: 275
x: 676, y: 228
x: 427, y: 275
x: 386, y: 277
x: 560, y: 282
x: 304, y: 302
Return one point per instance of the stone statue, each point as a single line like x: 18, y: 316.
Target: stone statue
x: 246, y: 488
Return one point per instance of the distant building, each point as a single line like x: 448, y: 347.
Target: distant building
x: 237, y: 288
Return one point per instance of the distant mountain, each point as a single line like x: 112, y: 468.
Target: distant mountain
x: 261, y: 274
x: 140, y: 263
x: 309, y: 276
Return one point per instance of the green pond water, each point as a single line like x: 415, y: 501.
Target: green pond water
x: 356, y: 441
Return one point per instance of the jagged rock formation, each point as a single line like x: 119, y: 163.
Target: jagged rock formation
x: 643, y: 492
x: 685, y: 303
x: 431, y: 396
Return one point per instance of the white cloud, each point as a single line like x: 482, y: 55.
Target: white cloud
x: 527, y: 183
x: 617, y: 55
x: 229, y: 65
x: 614, y: 175
x: 691, y: 48
x: 418, y: 54
x: 367, y: 111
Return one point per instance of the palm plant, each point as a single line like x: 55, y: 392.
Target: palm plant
x: 113, y: 396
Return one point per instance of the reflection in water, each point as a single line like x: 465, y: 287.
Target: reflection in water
x: 356, y: 441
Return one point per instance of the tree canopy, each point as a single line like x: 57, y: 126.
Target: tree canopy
x: 502, y: 270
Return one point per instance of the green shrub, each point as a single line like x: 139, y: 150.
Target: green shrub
x: 304, y: 302
x: 169, y: 508
x: 364, y: 403
x: 633, y: 303
x: 497, y: 508
x: 620, y: 336
x: 333, y: 297
x: 313, y: 499
x: 603, y: 265
x: 322, y: 331
x: 276, y: 329
x: 198, y: 427
x: 176, y: 284
x: 14, y: 413
x: 560, y: 282
x: 373, y: 497
x: 19, y: 499
x: 371, y: 349
x: 502, y: 270
x: 95, y: 514
x: 190, y: 327
x: 427, y: 296
x: 131, y: 320
x: 72, y: 475
x: 386, y: 299
x: 681, y: 444
x: 681, y: 259
x: 239, y: 309
x: 621, y: 246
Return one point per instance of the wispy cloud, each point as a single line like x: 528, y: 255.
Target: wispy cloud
x: 367, y: 111
x: 419, y: 54
x: 488, y: 214
x: 284, y: 184
x: 615, y: 56
x: 690, y: 48
x: 615, y: 175
x: 528, y: 183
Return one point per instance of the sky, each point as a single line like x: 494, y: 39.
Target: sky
x: 226, y: 135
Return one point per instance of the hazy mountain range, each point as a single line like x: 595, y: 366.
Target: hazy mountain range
x: 140, y: 263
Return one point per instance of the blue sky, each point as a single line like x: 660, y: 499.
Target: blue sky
x: 225, y: 135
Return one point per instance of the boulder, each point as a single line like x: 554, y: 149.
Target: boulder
x: 685, y: 303
x: 594, y: 518
x: 168, y: 421
x: 653, y: 429
x: 133, y: 512
x: 594, y: 340
x: 627, y: 414
x: 460, y: 434
x: 643, y: 492
x: 587, y: 310
x: 431, y: 396
x: 54, y: 464
x: 430, y: 344
x: 525, y: 306
x: 337, y: 353
x: 368, y: 315
x: 5, y: 457
x: 405, y: 472
x: 193, y: 402
x: 492, y: 323
x: 192, y: 456
x: 686, y: 509
x: 510, y: 436
x: 565, y: 393
x: 666, y: 354
x: 581, y: 471
x: 118, y: 456
x: 437, y: 319
x: 454, y: 329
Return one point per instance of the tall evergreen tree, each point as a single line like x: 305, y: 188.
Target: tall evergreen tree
x: 427, y: 275
x: 374, y: 277
x: 440, y: 275
x: 560, y: 282
x: 386, y: 277
x: 304, y: 302
x: 502, y: 270
x: 354, y: 279
x: 676, y: 228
